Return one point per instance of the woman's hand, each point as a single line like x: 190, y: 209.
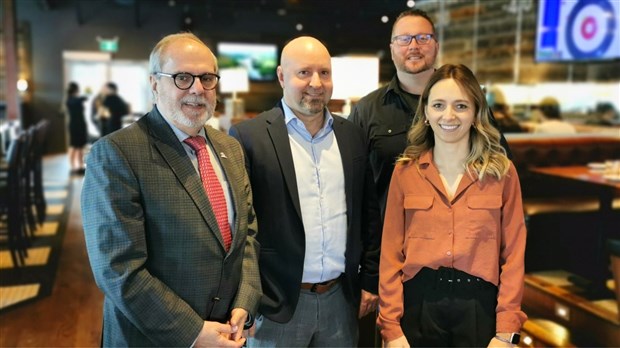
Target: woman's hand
x: 400, y: 342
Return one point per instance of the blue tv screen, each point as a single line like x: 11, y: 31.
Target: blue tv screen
x: 260, y: 60
x: 578, y: 30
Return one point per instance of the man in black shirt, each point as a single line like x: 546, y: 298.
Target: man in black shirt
x: 387, y: 113
x: 115, y: 109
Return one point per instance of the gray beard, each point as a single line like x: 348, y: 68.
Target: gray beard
x: 180, y: 118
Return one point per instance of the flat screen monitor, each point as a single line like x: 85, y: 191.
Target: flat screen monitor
x: 260, y: 60
x: 574, y: 31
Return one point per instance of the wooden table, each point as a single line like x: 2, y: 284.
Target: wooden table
x: 606, y: 191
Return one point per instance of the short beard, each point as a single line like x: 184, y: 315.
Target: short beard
x: 179, y: 117
x: 417, y: 69
x: 312, y: 106
x: 402, y: 65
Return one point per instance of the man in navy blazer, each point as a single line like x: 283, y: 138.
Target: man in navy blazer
x: 316, y: 205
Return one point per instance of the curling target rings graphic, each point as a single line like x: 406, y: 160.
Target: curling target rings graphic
x: 590, y: 28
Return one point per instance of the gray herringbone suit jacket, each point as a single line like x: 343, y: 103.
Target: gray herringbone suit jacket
x: 153, y: 241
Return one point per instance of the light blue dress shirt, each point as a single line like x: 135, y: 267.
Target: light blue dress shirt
x: 320, y: 183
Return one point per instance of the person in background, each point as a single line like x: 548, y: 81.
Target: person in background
x: 77, y: 128
x: 316, y: 205
x: 113, y: 109
x: 552, y: 122
x: 604, y: 114
x: 168, y: 218
x: 452, y: 254
x: 496, y: 100
x: 386, y: 114
x: 96, y: 110
x: 505, y: 122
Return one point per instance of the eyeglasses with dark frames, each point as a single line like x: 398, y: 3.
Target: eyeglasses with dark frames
x: 420, y: 39
x: 184, y: 80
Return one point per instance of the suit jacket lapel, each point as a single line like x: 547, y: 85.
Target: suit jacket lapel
x: 344, y: 147
x: 279, y: 137
x: 171, y: 150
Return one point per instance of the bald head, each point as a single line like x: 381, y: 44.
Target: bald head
x: 301, y: 46
x: 305, y: 74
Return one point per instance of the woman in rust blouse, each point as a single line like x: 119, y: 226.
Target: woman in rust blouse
x: 451, y: 271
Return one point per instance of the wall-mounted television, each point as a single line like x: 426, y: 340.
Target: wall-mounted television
x: 260, y: 60
x: 583, y: 30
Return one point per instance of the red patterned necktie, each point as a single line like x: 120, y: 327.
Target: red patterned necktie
x: 212, y: 187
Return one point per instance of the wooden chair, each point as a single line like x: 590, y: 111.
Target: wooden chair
x: 11, y: 204
x: 25, y: 187
x: 37, y: 196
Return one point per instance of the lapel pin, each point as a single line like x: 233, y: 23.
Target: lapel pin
x: 223, y: 155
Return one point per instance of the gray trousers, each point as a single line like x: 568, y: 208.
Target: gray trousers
x: 325, y: 320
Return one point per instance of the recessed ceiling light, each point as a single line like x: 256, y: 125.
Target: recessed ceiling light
x: 22, y: 85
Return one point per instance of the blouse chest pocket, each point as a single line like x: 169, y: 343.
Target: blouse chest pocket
x: 484, y: 216
x: 419, y: 217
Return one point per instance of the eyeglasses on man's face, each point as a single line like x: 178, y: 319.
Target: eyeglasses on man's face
x: 405, y: 40
x: 185, y: 80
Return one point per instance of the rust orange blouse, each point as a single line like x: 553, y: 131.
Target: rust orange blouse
x: 481, y: 232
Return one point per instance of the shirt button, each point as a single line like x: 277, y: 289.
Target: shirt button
x: 449, y: 253
x: 449, y: 231
x: 389, y: 131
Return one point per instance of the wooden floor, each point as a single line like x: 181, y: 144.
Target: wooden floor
x: 71, y: 316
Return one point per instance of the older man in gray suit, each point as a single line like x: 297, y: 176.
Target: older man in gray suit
x: 177, y: 263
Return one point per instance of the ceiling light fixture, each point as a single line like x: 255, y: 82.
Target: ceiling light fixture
x: 22, y: 85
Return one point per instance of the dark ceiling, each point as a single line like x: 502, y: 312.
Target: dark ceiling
x: 341, y: 23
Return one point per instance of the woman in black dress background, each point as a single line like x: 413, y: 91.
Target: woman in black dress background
x: 77, y: 128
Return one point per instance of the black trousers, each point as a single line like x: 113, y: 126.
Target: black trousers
x: 448, y: 308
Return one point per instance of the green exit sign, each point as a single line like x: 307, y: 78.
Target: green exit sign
x: 108, y: 45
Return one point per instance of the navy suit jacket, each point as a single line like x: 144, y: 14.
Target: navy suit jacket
x: 269, y: 163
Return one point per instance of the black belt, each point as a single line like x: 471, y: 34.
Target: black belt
x: 320, y: 288
x: 451, y: 277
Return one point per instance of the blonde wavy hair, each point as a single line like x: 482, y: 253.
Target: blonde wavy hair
x: 486, y: 155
